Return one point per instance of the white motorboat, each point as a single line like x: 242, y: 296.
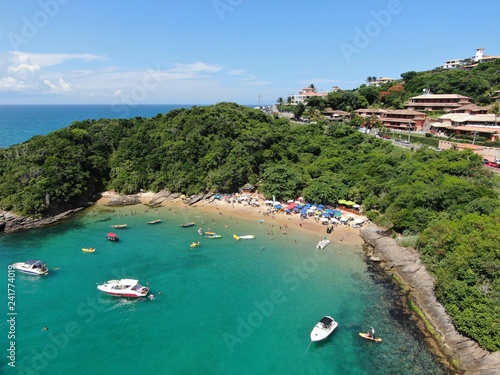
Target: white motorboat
x: 124, y: 288
x: 323, y: 328
x: 322, y: 244
x: 244, y: 237
x: 32, y: 267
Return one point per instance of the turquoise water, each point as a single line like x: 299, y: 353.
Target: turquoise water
x: 226, y: 306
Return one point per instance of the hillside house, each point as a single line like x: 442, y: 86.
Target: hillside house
x: 437, y: 102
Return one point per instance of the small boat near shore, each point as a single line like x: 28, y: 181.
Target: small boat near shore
x: 244, y: 237
x: 187, y: 225
x: 214, y: 235
x: 157, y: 221
x: 32, y: 267
x: 112, y: 237
x: 322, y: 244
x: 88, y: 249
x: 119, y: 226
x: 124, y: 288
x: 323, y: 328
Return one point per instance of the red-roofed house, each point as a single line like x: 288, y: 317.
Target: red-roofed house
x: 437, y: 102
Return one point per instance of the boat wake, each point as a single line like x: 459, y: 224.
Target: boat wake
x: 307, y: 349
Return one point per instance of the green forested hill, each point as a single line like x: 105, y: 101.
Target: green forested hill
x: 220, y: 148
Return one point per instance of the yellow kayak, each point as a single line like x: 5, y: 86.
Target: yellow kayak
x: 194, y: 244
x: 88, y: 249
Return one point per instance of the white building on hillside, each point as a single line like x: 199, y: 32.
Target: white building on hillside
x: 309, y: 92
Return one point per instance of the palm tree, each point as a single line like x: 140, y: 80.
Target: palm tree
x: 495, y: 109
x: 312, y: 87
x: 280, y: 102
x: 289, y: 100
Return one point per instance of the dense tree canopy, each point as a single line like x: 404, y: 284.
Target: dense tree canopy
x: 220, y: 148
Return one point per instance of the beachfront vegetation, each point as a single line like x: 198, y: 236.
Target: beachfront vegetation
x: 446, y: 198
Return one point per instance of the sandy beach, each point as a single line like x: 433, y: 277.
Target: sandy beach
x: 231, y: 213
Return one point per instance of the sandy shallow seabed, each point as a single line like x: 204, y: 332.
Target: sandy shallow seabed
x: 236, y: 211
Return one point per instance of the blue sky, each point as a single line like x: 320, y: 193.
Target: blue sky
x: 208, y: 51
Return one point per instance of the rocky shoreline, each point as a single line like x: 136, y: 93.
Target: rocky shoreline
x: 10, y: 222
x: 405, y: 264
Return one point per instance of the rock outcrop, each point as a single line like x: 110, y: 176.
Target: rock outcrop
x: 124, y: 200
x: 10, y: 222
x: 405, y: 263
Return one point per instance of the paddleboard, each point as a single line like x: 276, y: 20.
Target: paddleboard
x: 368, y: 337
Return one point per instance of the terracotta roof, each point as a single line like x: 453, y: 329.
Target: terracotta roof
x: 404, y: 112
x: 479, y: 129
x: 472, y: 107
x: 330, y: 111
x: 464, y: 117
x: 370, y: 110
x: 440, y: 96
x: 395, y: 119
x: 426, y: 104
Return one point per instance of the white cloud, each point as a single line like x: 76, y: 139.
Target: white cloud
x: 65, y: 86
x: 13, y: 84
x: 51, y: 59
x: 61, y: 87
x: 21, y: 68
x: 238, y: 72
x: 196, y: 67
